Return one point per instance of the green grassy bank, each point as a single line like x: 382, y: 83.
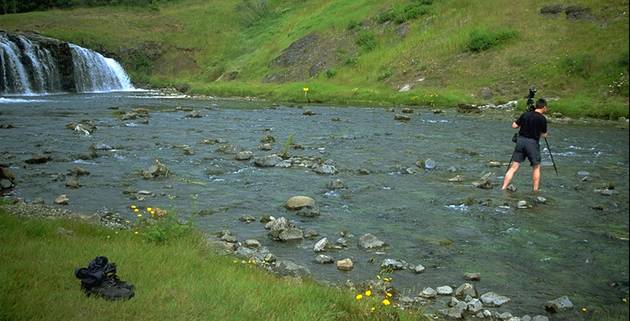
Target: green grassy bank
x: 181, y: 279
x: 446, y: 51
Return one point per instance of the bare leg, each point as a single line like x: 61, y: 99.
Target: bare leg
x: 510, y: 174
x: 536, y: 177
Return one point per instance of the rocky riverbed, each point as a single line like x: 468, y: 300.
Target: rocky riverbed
x: 407, y: 194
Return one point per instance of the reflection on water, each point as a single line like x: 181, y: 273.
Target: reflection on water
x: 575, y: 244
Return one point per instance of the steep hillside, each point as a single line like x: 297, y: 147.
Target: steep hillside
x: 438, y: 52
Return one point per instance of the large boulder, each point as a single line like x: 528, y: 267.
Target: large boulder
x: 298, y: 202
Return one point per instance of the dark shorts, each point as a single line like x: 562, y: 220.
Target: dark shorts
x: 527, y: 148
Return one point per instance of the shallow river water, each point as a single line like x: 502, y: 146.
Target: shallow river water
x: 576, y: 244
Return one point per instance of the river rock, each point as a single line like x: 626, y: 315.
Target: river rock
x: 456, y: 311
x: 252, y: 244
x: 456, y: 179
x: 321, y: 245
x: 559, y: 304
x: 72, y: 182
x: 484, y: 182
x: 265, y: 146
x: 392, y: 264
x: 324, y: 259
x: 428, y: 293
x: 493, y: 299
x: 336, y: 184
x: 503, y: 316
x: 541, y: 200
x: 474, y: 305
x: 419, y: 269
x: 540, y: 318
x: 62, y: 199
x: 227, y: 149
x: 267, y: 139
x: 247, y: 218
x: 267, y: 161
x: 444, y: 290
x: 291, y: 234
x: 38, y: 159
x: 298, y: 202
x: 345, y: 265
x: 78, y: 171
x: 244, y: 155
x: 522, y: 204
x: 427, y: 164
x: 403, y: 118
x: 288, y: 268
x: 5, y: 183
x: 472, y: 276
x: 324, y: 169
x: 156, y: 170
x: 310, y: 233
x: 369, y: 241
x: 466, y: 289
x: 407, y: 110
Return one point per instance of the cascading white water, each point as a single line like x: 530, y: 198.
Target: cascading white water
x: 95, y: 73
x: 14, y: 77
x: 28, y: 67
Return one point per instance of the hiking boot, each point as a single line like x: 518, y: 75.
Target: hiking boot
x: 109, y: 291
x: 114, y: 281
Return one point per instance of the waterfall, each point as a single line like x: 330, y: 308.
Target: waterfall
x: 38, y: 65
x: 95, y: 73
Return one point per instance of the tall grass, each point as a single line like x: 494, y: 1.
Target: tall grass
x: 182, y: 279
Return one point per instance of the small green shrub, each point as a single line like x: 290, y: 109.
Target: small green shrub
x: 330, y: 73
x: 162, y: 229
x: 578, y: 65
x: 351, y: 61
x: 401, y: 14
x: 481, y: 40
x: 353, y: 25
x: 366, y: 40
x: 385, y: 75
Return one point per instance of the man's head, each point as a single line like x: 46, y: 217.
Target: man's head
x: 541, y: 105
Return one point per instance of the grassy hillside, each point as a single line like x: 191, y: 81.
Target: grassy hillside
x: 364, y: 51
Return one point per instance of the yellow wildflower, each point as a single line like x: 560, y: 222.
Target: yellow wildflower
x: 139, y: 215
x: 584, y: 310
x: 372, y: 309
x: 368, y: 293
x: 149, y: 209
x: 389, y: 295
x: 135, y: 210
x: 136, y: 232
x: 359, y: 296
x: 305, y: 89
x: 386, y: 302
x: 133, y: 207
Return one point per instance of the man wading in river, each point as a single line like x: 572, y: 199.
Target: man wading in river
x: 532, y: 125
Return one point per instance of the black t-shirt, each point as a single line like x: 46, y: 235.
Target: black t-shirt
x: 532, y: 124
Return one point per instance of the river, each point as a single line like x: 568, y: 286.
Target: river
x: 576, y: 244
